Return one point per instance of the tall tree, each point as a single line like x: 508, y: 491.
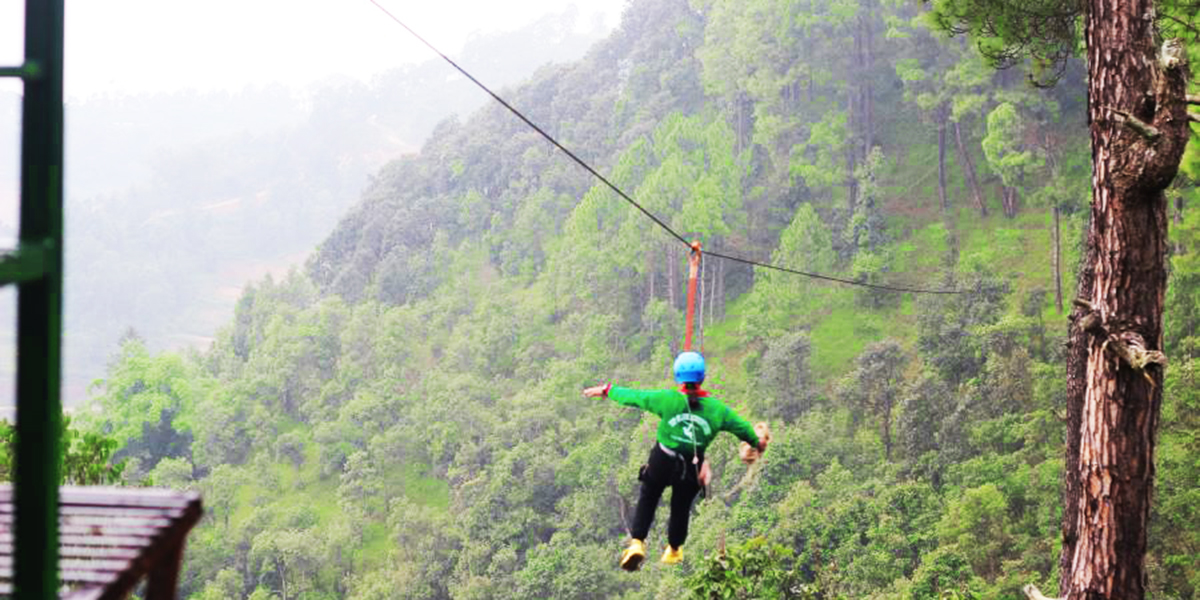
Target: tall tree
x: 1137, y: 113
x: 1008, y: 156
x: 950, y: 84
x: 875, y: 386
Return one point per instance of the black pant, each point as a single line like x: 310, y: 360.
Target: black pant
x: 661, y: 471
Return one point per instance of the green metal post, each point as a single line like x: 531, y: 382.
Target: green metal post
x: 39, y: 307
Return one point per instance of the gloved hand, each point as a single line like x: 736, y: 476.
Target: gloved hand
x: 749, y: 454
x: 596, y: 391
x: 764, y: 435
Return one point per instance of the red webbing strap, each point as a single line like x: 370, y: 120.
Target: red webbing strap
x: 693, y: 271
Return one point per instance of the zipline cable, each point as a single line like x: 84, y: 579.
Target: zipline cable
x: 877, y: 286
x: 630, y: 200
x: 548, y: 137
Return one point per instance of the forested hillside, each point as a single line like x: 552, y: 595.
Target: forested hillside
x: 402, y: 417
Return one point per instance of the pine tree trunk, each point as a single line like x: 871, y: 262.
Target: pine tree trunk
x: 743, y: 120
x: 1056, y: 235
x: 852, y: 157
x: 721, y: 287
x: 968, y: 166
x: 868, y: 66
x: 1002, y: 192
x: 942, y: 165
x: 886, y: 426
x: 672, y: 279
x: 1077, y: 354
x: 1123, y: 328
x: 651, y: 272
x: 1008, y: 200
x: 1057, y: 259
x: 737, y: 122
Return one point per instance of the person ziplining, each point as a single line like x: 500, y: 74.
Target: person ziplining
x: 689, y: 420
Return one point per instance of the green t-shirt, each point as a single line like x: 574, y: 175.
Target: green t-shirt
x: 679, y: 427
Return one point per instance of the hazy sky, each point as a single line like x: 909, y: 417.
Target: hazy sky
x: 130, y: 46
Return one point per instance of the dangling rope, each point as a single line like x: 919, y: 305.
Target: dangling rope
x: 693, y: 272
x: 702, y: 307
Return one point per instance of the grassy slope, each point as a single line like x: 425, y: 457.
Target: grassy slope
x: 1018, y: 250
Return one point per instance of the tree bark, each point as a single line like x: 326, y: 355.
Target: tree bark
x: 651, y: 272
x: 852, y: 156
x: 744, y: 117
x: 942, y: 165
x: 1057, y: 258
x: 1077, y: 353
x: 868, y: 65
x: 1008, y: 200
x: 968, y: 166
x: 1056, y: 235
x: 1131, y: 87
x: 282, y: 578
x: 886, y: 426
x: 721, y: 287
x: 672, y: 279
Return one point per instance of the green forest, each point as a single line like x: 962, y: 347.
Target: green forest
x: 402, y: 415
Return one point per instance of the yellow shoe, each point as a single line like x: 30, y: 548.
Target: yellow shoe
x: 672, y: 555
x: 633, y: 556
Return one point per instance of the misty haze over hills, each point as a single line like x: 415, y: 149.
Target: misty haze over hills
x: 175, y: 200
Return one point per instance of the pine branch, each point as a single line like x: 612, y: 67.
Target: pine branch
x: 1147, y: 131
x: 1194, y: 117
x: 1193, y: 99
x: 1090, y: 320
x: 1182, y: 23
x: 1033, y: 593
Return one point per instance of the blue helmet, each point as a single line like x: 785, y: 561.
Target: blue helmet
x: 689, y: 367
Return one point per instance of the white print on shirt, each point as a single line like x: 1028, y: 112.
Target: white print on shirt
x: 688, y: 422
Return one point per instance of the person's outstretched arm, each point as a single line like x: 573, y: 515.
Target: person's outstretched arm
x: 651, y: 400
